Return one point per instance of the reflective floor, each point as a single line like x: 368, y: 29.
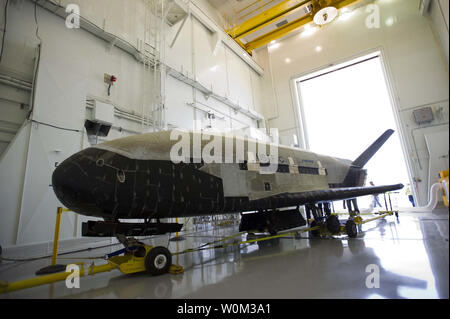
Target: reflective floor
x: 410, y: 254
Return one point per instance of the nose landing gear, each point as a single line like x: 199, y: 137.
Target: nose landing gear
x: 158, y: 261
x: 139, y: 257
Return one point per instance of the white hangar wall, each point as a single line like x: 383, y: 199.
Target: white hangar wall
x: 418, y: 74
x: 71, y: 69
x: 438, y: 13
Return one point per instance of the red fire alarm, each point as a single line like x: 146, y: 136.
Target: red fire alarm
x: 110, y: 80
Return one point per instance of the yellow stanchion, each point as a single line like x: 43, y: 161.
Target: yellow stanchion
x: 59, y: 212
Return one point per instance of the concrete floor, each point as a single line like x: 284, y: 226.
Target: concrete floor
x: 412, y: 254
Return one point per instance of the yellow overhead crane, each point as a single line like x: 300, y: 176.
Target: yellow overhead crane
x: 278, y: 12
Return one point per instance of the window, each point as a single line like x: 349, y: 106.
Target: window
x: 308, y: 170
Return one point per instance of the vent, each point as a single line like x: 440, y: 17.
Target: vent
x: 282, y: 23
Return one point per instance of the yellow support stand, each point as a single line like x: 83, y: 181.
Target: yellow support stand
x: 59, y: 212
x: 54, y: 268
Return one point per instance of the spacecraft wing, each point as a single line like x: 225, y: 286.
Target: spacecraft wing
x: 333, y: 194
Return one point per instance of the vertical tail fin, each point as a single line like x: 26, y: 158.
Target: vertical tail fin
x: 372, y: 149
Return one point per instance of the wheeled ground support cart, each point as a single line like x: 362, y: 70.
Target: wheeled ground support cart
x: 137, y: 257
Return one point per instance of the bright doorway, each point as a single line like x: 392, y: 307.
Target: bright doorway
x: 344, y: 109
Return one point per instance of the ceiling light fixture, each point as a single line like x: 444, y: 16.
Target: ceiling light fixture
x: 325, y: 15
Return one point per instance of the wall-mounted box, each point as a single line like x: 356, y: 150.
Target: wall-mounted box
x: 423, y: 115
x: 103, y: 113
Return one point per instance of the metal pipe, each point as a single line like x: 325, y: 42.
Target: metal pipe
x: 16, y: 85
x: 14, y: 80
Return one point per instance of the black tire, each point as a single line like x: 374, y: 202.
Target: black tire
x: 158, y: 261
x: 314, y: 233
x: 333, y: 225
x: 351, y: 229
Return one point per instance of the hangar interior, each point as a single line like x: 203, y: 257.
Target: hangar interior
x: 77, y: 73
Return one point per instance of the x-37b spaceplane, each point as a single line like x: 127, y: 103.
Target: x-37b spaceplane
x: 136, y: 178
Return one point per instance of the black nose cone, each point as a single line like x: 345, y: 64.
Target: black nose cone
x: 68, y: 180
x: 75, y: 182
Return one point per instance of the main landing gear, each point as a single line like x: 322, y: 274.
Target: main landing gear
x: 322, y: 221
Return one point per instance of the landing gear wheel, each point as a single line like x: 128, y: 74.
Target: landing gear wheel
x: 350, y: 227
x: 316, y: 232
x: 158, y: 261
x: 333, y: 224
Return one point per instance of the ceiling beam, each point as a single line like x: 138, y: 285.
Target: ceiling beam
x: 264, y: 18
x: 278, y: 33
x: 290, y: 27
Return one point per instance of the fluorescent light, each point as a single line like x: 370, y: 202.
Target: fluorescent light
x: 287, y: 60
x: 318, y: 48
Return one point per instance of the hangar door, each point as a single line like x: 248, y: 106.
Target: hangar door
x: 344, y: 109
